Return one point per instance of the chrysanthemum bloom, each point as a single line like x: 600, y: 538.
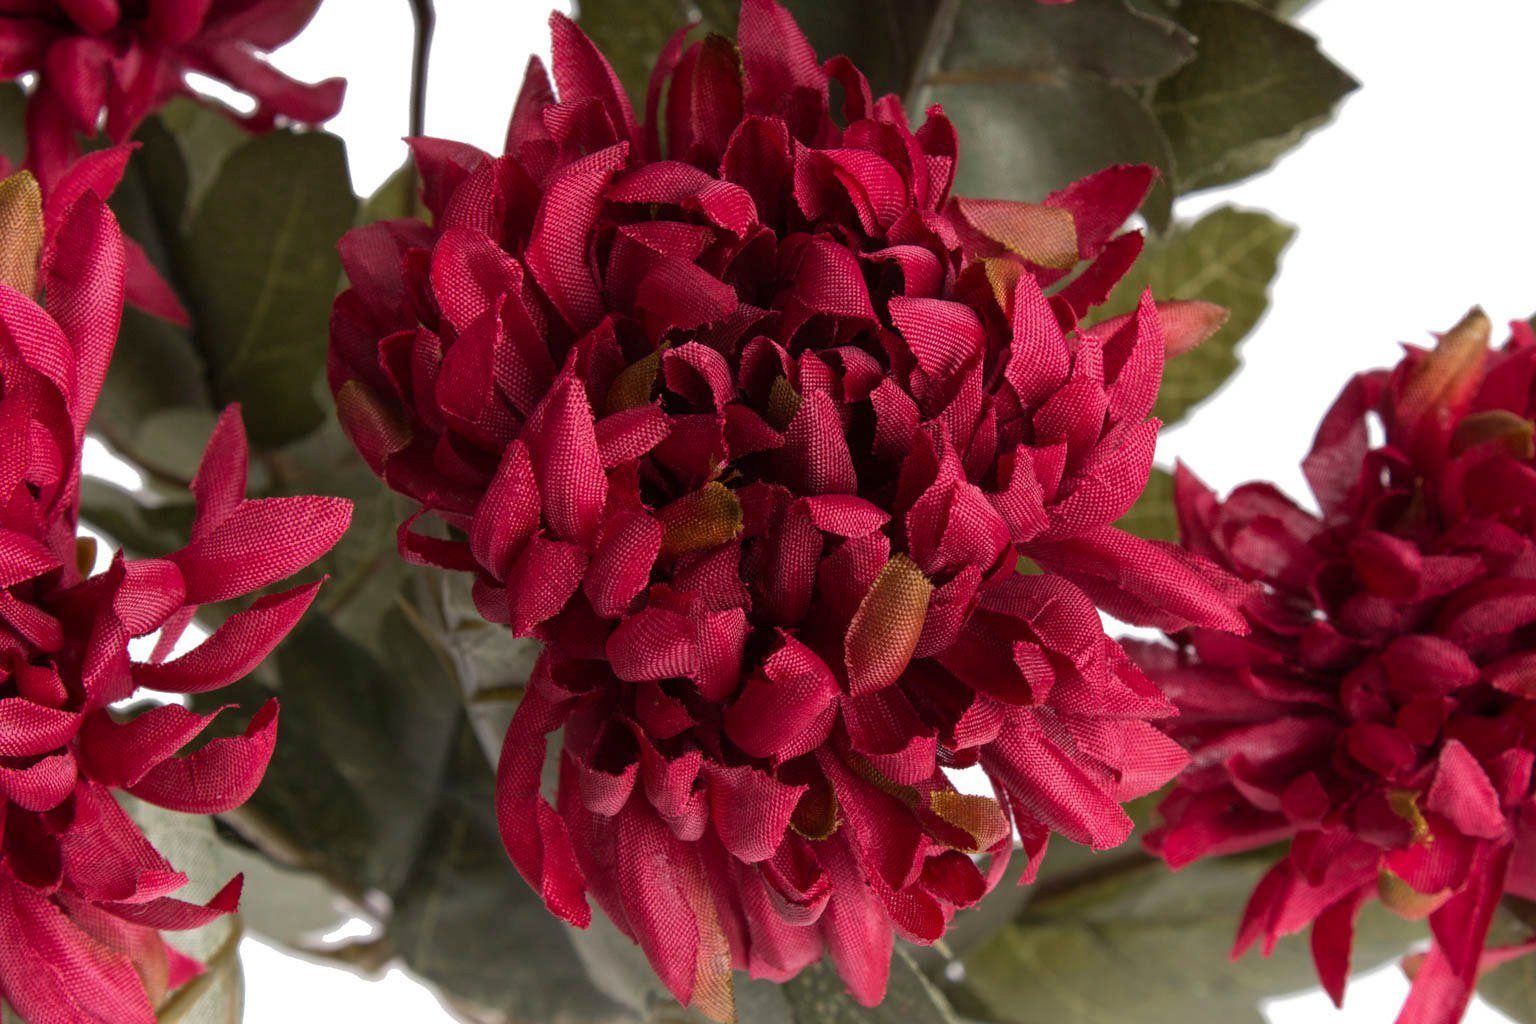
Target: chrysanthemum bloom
x: 83, y: 894
x: 1381, y: 715
x: 105, y: 65
x: 753, y: 435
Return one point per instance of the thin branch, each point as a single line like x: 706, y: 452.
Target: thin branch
x: 426, y: 21
x: 941, y: 27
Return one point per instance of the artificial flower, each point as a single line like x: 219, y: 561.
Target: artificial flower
x: 751, y: 422
x: 1380, y: 717
x: 84, y: 895
x: 106, y: 65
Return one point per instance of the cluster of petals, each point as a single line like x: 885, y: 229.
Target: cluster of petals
x: 751, y: 423
x: 1380, y: 717
x: 84, y: 896
x: 106, y: 65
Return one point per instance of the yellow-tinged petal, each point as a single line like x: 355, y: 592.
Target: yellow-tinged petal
x: 1404, y: 900
x: 1405, y: 804
x: 707, y: 518
x: 885, y: 629
x: 1511, y: 432
x: 714, y: 987
x: 783, y: 403
x: 1446, y: 376
x: 85, y: 554
x: 1003, y: 275
x: 634, y: 385
x: 977, y: 816
x: 1043, y: 235
x: 21, y: 231
x: 377, y: 429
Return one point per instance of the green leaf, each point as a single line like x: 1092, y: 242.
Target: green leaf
x: 1043, y: 133
x: 1510, y: 988
x: 1162, y: 937
x: 260, y: 271
x: 365, y: 741
x: 155, y: 373
x: 380, y: 789
x: 464, y: 919
x: 1257, y: 87
x: 1106, y: 38
x: 1153, y: 516
x: 817, y: 996
x: 140, y: 528
x: 632, y: 32
x: 1047, y: 87
x: 1228, y: 257
x: 205, y: 139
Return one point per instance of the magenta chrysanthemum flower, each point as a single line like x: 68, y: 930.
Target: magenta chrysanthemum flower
x: 83, y: 894
x: 105, y: 65
x: 1381, y: 716
x: 752, y: 424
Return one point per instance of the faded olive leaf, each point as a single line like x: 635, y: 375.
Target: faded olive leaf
x: 156, y: 366
x: 1284, y: 8
x: 1153, y: 517
x: 365, y: 740
x: 292, y: 908
x: 397, y: 197
x: 217, y: 996
x: 1257, y: 87
x: 1510, y: 988
x: 1228, y: 257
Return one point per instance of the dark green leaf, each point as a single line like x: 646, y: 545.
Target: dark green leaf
x: 141, y: 529
x: 466, y: 921
x: 13, y: 122
x: 1257, y: 87
x: 817, y: 996
x: 204, y: 138
x: 632, y: 32
x: 260, y: 272
x: 365, y: 742
x: 1043, y: 133
x: 1228, y: 257
x: 379, y: 786
x: 1161, y: 938
x: 1153, y: 516
x: 1106, y: 38
x: 1039, y: 93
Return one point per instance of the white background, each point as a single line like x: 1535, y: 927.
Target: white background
x: 1415, y: 204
